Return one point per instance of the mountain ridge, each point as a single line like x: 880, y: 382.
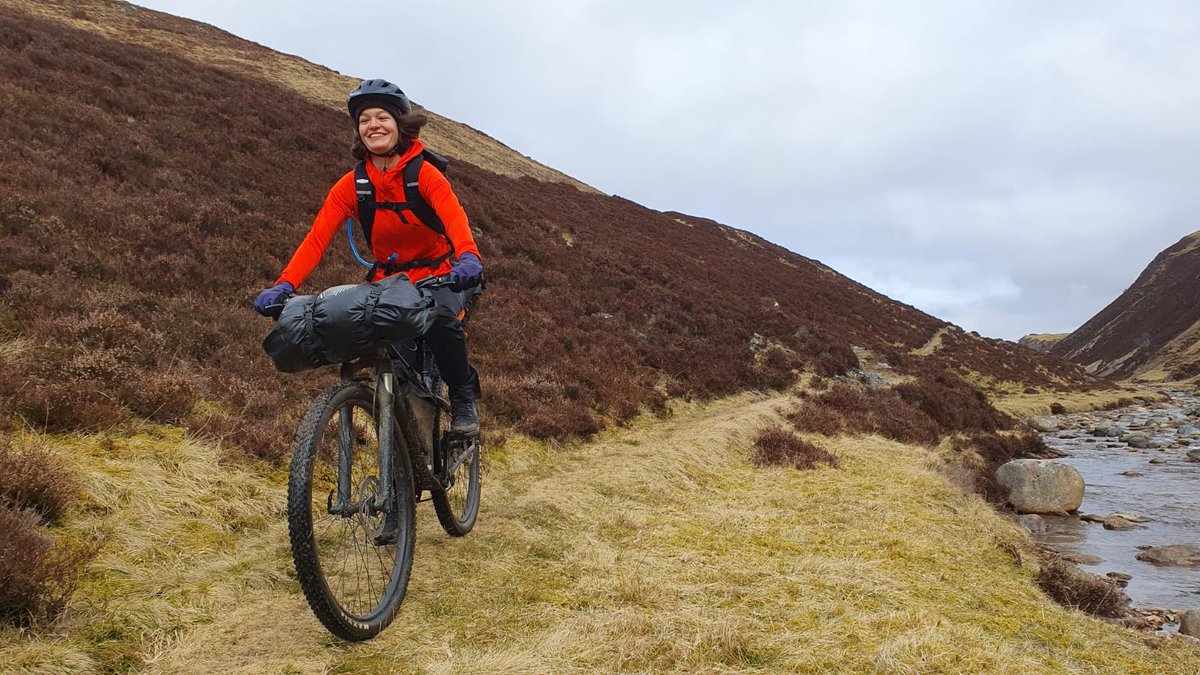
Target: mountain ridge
x: 1151, y: 331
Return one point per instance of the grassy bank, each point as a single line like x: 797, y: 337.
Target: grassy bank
x: 657, y: 546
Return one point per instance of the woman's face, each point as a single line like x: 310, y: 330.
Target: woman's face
x: 378, y: 131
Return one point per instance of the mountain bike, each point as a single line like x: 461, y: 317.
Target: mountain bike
x: 367, y: 451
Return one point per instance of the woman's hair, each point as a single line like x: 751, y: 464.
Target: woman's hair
x: 410, y: 128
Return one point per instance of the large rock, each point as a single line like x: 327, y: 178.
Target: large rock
x: 1193, y: 455
x: 1190, y: 624
x: 1176, y: 555
x: 1043, y: 424
x: 1138, y: 439
x: 1041, y: 485
x: 1117, y: 521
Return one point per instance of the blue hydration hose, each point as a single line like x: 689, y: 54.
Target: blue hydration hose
x: 353, y: 248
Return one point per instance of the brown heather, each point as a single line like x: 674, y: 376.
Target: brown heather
x: 33, y: 479
x: 779, y: 447
x: 37, y: 574
x: 148, y: 198
x: 850, y: 409
x: 1071, y: 586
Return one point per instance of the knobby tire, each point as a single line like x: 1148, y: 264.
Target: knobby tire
x: 352, y: 585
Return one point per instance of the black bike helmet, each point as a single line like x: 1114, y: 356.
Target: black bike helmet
x: 379, y: 93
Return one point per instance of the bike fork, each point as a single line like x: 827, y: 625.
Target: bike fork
x: 384, y: 398
x: 345, y: 458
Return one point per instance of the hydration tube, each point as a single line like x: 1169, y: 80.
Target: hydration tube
x: 353, y: 248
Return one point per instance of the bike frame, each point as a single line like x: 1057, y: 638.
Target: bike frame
x: 393, y: 403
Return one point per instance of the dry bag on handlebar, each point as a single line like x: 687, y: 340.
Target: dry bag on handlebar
x: 347, y: 322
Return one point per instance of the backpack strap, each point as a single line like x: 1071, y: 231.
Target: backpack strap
x: 413, y: 201
x: 416, y: 203
x: 366, y: 199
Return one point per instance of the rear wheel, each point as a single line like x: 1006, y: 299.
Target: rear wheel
x: 457, y: 468
x: 354, y: 579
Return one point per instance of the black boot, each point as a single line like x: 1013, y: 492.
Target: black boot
x: 465, y: 416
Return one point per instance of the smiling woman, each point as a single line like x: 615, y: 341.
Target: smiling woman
x: 421, y: 232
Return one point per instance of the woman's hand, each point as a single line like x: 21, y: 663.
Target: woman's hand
x: 274, y: 295
x: 467, y: 272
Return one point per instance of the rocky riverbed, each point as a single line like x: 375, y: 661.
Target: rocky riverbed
x: 1140, y: 517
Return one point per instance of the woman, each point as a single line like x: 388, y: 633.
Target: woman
x: 386, y: 140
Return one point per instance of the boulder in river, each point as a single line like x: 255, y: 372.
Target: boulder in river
x: 1130, y: 516
x: 1190, y: 624
x: 1045, y: 425
x: 1189, y: 429
x: 1137, y: 439
x: 1041, y: 485
x: 1175, y: 555
x: 1110, y: 430
x: 1118, y: 522
x: 1193, y: 455
x: 1120, y: 577
x: 1131, y: 474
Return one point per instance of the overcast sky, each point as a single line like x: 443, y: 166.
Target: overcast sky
x: 1009, y: 166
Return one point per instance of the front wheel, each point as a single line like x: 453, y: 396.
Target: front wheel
x: 352, y: 548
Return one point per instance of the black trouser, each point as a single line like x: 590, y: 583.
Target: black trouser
x: 447, y: 338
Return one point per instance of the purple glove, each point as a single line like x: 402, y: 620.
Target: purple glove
x: 467, y: 272
x: 273, y: 296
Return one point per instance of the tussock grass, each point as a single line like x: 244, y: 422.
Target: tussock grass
x: 15, y: 352
x: 656, y: 547
x: 1021, y: 405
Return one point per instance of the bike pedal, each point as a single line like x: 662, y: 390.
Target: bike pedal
x: 460, y: 436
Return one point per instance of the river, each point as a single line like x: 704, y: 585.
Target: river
x: 1120, y: 478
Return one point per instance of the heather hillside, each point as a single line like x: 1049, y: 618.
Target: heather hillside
x: 1150, y: 332
x: 150, y: 194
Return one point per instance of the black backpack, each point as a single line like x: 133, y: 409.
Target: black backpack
x: 413, y: 201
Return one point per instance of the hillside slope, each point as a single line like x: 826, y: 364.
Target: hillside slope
x: 209, y: 46
x: 656, y: 548
x: 130, y: 251
x: 1151, y: 331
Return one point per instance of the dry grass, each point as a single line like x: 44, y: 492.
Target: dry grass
x: 1021, y: 405
x: 934, y: 343
x: 659, y: 547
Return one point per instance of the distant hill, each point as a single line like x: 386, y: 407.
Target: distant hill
x: 159, y: 172
x: 1150, y: 332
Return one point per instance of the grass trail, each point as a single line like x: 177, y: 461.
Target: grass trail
x: 656, y: 547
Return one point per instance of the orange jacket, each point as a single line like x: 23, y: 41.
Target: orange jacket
x: 389, y: 235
